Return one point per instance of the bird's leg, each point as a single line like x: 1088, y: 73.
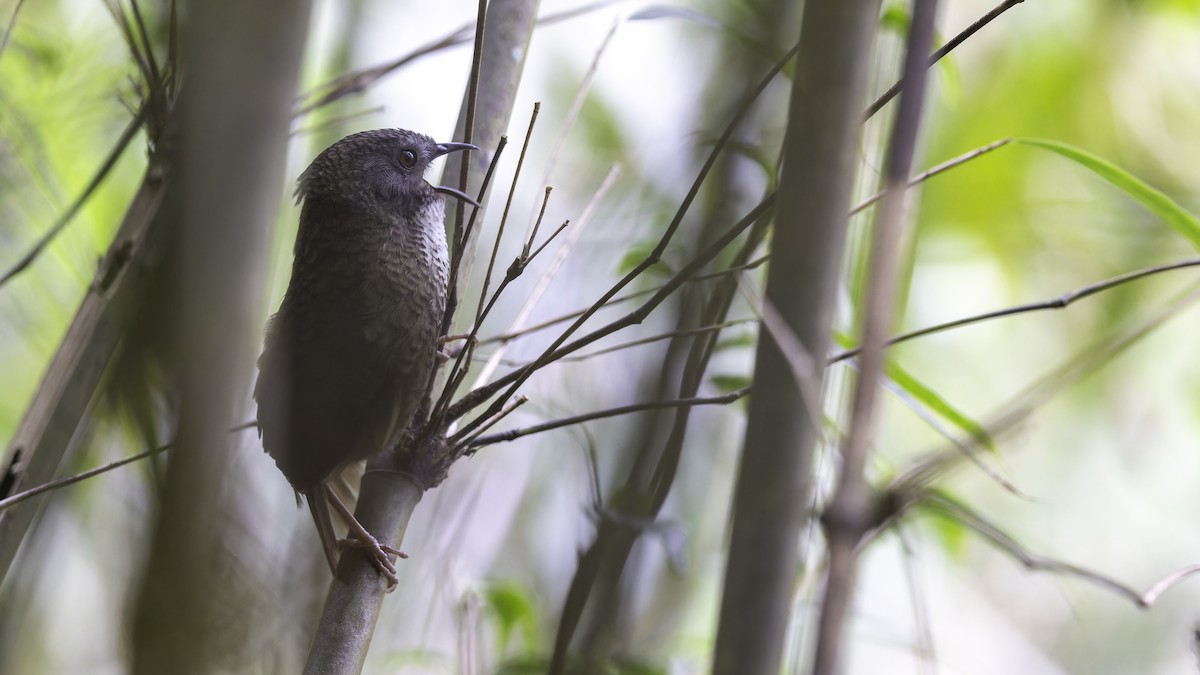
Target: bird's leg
x: 443, y: 356
x: 319, y: 507
x: 365, y: 541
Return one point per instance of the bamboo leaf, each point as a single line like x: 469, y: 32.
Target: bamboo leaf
x: 1156, y: 201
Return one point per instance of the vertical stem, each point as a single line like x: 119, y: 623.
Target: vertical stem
x: 850, y: 514
x: 242, y: 62
x: 773, y: 480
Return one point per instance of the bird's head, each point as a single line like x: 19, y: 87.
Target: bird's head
x: 377, y: 168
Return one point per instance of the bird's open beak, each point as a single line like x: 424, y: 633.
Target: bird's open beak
x: 456, y: 193
x: 447, y: 148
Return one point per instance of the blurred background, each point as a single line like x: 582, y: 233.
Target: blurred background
x: 1103, y: 453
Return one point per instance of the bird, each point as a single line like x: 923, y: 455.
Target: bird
x: 347, y: 357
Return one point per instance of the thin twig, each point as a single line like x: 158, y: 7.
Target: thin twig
x: 333, y: 121
x: 489, y: 423
x: 17, y: 498
x: 655, y: 338
x: 803, y: 365
x: 537, y: 223
x: 848, y: 515
x: 118, y: 149
x: 967, y: 517
x: 461, y: 238
x: 572, y: 115
x: 946, y: 49
x: 701, y: 330
x: 513, y: 334
x: 916, y: 592
x: 557, y: 350
x: 462, y: 363
x: 944, y: 166
x: 553, y: 351
x: 12, y: 23
x: 1060, y: 302
x: 512, y: 191
x: 610, y: 412
x: 553, y: 235
x: 556, y: 263
x: 1034, y: 397
x: 360, y: 80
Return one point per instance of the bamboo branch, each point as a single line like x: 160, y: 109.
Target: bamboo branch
x: 1061, y: 302
x: 848, y: 517
x: 514, y: 434
x: 1038, y: 563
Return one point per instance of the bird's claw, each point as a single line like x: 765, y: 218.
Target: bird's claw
x: 445, y: 355
x: 379, y: 557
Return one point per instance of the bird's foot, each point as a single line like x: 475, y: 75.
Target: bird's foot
x: 378, y: 555
x: 444, y: 356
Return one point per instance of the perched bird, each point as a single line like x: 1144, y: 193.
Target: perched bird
x: 348, y: 355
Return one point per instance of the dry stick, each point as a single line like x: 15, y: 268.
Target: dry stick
x: 916, y: 180
x: 651, y: 259
x: 1060, y: 302
x: 512, y: 191
x: 966, y: 516
x: 462, y: 363
x: 135, y: 51
x: 153, y: 75
x: 967, y: 451
x: 359, y: 80
x: 557, y: 350
x: 515, y: 269
x: 110, y: 161
x: 551, y: 271
x: 940, y: 168
x: 514, y: 434
x: 552, y: 237
x: 467, y: 442
x: 18, y: 497
x: 802, y: 364
x: 537, y: 223
x: 685, y: 332
x: 699, y: 330
x: 916, y: 594
x: 336, y: 120
x: 963, y: 447
x: 946, y: 49
x: 456, y: 255
x: 469, y: 126
x: 459, y: 237
x: 572, y: 116
x: 514, y: 334
x: 847, y: 517
x: 1020, y: 407
x: 12, y: 23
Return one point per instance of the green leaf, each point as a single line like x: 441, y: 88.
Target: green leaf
x: 932, y: 400
x: 728, y: 383
x: 509, y: 603
x: 639, y: 252
x: 741, y: 340
x: 1157, y: 202
x: 895, y: 18
x: 950, y: 532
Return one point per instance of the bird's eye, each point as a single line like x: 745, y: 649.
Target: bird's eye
x: 408, y: 159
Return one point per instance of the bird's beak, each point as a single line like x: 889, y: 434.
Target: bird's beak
x: 447, y: 148
x: 456, y: 193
